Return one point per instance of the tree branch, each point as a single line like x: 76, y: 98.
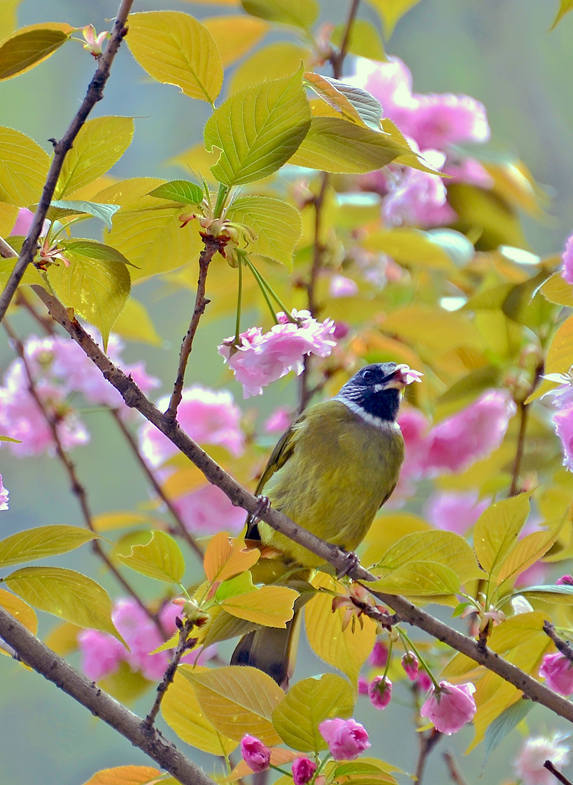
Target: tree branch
x: 39, y: 657
x: 453, y: 770
x: 427, y: 743
x: 556, y: 773
x: 565, y: 648
x: 212, y: 245
x: 93, y: 95
x: 239, y: 497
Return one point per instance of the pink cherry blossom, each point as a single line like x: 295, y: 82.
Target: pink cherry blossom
x: 567, y: 258
x: 362, y: 686
x: 23, y: 223
x: 557, y: 671
x: 100, y: 653
x: 417, y: 198
x: 534, y: 752
x: 379, y: 655
x: 346, y: 739
x: 423, y: 681
x: 302, y: 770
x: 341, y: 286
x: 467, y: 170
x: 411, y: 665
x: 207, y: 510
x: 455, y: 511
x: 564, y: 580
x: 380, y: 692
x: 415, y: 427
x: 563, y: 422
x: 255, y: 754
x: 391, y: 84
x: 472, y: 433
x: 262, y: 358
x: 450, y: 707
x: 279, y: 421
x: 4, y: 496
x: 207, y: 416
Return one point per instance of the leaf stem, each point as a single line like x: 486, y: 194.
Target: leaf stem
x: 239, y: 300
x: 424, y: 664
x: 222, y: 195
x: 262, y: 286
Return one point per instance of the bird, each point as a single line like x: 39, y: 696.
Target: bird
x: 330, y: 472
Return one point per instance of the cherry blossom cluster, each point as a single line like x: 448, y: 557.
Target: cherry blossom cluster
x: 433, y: 123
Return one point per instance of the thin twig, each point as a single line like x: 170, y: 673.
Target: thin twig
x: 453, y: 769
x: 565, y: 648
x: 212, y: 245
x: 93, y: 94
x: 77, y: 487
x: 180, y: 526
x: 523, y: 410
x: 38, y: 656
x: 427, y: 743
x: 338, y: 558
x: 337, y: 59
x: 169, y: 675
x: 556, y: 773
x: 6, y: 250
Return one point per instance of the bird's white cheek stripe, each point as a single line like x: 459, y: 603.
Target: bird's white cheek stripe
x: 371, y: 419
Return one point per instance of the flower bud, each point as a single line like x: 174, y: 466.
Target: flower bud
x: 255, y: 754
x: 380, y: 692
x: 302, y: 770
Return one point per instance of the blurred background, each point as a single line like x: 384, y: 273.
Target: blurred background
x: 499, y: 51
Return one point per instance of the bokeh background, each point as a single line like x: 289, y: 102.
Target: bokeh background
x: 501, y: 52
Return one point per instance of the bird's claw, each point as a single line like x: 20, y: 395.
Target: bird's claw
x: 351, y: 561
x: 263, y: 506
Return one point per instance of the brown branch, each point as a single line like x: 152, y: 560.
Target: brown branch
x: 240, y: 497
x: 180, y: 526
x: 453, y: 769
x: 169, y: 674
x: 93, y: 95
x: 523, y: 410
x: 212, y: 245
x: 565, y: 648
x: 6, y: 250
x: 337, y: 59
x: 77, y: 487
x: 427, y: 743
x: 38, y: 656
x: 556, y: 773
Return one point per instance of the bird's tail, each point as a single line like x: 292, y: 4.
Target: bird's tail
x: 271, y: 649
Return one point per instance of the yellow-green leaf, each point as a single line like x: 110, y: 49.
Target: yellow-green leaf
x: 134, y: 323
x: 31, y: 276
x: 20, y: 610
x: 183, y: 713
x: 64, y: 593
x: 557, y: 290
x: 98, y: 146
x: 118, y: 520
x: 345, y: 648
x: 410, y: 247
x: 96, y: 290
x: 391, y: 11
x: 298, y: 13
x: 225, y: 557
x: 238, y: 697
x: 126, y: 775
x: 271, y: 606
x: 527, y: 551
x: 8, y: 15
x: 560, y: 352
x: 387, y: 530
x: 30, y: 45
x: 42, y: 541
x: 160, y: 558
x: 334, y: 144
x: 276, y: 224
x: 270, y: 62
x: 497, y: 529
x: 364, y: 40
x: 174, y: 48
x: 235, y: 35
x: 23, y: 168
x: 421, y: 578
x: 258, y: 130
x: 449, y: 329
x: 564, y: 7
x: 337, y: 94
x: 307, y: 704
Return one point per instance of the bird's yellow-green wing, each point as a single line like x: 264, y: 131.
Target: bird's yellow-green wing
x: 282, y: 451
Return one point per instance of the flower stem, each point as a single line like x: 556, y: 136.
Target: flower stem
x: 262, y: 286
x: 273, y: 294
x: 239, y: 298
x: 409, y: 645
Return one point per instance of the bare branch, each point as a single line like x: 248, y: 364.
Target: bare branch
x: 556, y: 773
x: 565, y: 648
x: 453, y: 769
x: 427, y: 743
x: 93, y: 95
x: 39, y: 657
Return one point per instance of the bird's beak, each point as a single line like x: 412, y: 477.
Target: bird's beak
x: 402, y: 377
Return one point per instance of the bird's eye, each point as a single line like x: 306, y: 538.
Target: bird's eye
x: 368, y: 375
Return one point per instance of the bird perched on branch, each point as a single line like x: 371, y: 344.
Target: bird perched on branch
x: 330, y: 472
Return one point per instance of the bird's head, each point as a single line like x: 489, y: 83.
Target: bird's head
x: 374, y: 391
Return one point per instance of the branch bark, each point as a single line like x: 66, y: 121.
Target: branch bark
x: 39, y: 657
x: 240, y: 497
x: 93, y: 94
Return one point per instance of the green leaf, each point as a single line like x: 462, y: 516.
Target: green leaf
x: 42, y: 541
x: 183, y: 191
x: 126, y: 775
x: 276, y: 225
x: 96, y: 290
x: 29, y: 46
x: 306, y: 705
x: 64, y: 593
x: 98, y: 146
x: 271, y: 606
x: 8, y: 9
x: 239, y: 584
x: 183, y: 713
x: 298, y: 13
x: 505, y: 723
x: 93, y: 251
x: 31, y: 276
x: 238, y: 697
x: 63, y: 207
x: 364, y: 40
x: 333, y: 144
x: 391, y: 11
x: 134, y: 323
x: 20, y: 610
x: 412, y: 248
x: 258, y: 130
x: 564, y: 7
x: 269, y: 62
x: 525, y: 305
x: 160, y: 558
x: 422, y: 578
x: 235, y: 35
x: 353, y: 103
x: 557, y: 290
x: 23, y: 168
x: 496, y: 531
x: 174, y: 48
x: 547, y: 594
x: 560, y: 352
